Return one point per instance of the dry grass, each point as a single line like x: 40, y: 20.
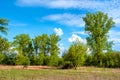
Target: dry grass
x: 50, y: 73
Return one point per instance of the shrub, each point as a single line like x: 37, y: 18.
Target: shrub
x: 1, y: 57
x: 22, y: 60
x: 67, y: 65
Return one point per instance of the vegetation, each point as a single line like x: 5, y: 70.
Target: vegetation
x: 84, y: 73
x: 75, y: 56
x: 44, y: 49
x: 97, y: 26
x: 3, y: 24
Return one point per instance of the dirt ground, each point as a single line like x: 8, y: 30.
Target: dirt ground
x: 22, y: 67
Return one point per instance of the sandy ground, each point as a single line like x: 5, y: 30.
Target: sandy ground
x: 22, y: 67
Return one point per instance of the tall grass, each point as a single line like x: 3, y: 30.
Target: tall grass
x: 58, y: 74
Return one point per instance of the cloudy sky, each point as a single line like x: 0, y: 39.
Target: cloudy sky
x: 62, y: 17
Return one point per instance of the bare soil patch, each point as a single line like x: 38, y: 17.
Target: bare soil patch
x: 22, y: 67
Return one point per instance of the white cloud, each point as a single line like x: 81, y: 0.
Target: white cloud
x: 58, y: 31
x: 115, y: 37
x: 113, y: 10
x: 115, y: 14
x: 63, y: 3
x: 112, y: 7
x: 75, y: 37
x: 62, y: 48
x: 30, y: 2
x: 66, y: 19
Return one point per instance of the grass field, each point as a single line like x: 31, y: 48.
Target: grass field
x: 83, y: 73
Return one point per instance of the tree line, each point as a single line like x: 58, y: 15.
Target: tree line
x: 44, y: 49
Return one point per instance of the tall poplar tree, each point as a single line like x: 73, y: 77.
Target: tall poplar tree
x: 97, y: 26
x: 54, y: 49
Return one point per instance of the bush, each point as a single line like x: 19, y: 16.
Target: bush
x: 26, y: 63
x: 67, y: 65
x: 22, y: 60
x: 60, y: 62
x: 53, y: 61
x: 1, y: 57
x: 89, y: 60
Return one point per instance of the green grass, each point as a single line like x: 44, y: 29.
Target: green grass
x: 89, y: 73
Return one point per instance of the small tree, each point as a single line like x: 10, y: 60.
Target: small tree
x: 76, y: 54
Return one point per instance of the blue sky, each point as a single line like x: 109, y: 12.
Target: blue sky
x: 62, y: 17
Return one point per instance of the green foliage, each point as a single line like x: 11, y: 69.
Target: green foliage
x: 109, y: 59
x: 54, y: 50
x: 22, y: 60
x: 22, y: 42
x: 76, y: 54
x: 4, y: 45
x: 3, y: 25
x: 53, y: 61
x: 46, y: 47
x: 60, y: 62
x: 97, y: 26
x: 10, y: 58
x: 1, y: 57
x: 41, y: 59
x: 46, y: 60
x: 34, y: 60
x: 67, y: 65
x: 40, y: 44
x: 112, y: 59
x: 36, y: 44
x: 89, y: 60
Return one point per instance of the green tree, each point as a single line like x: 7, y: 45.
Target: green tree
x: 36, y: 44
x: 41, y: 44
x: 89, y: 60
x: 97, y: 25
x: 76, y: 54
x: 4, y: 45
x: 3, y: 24
x: 30, y: 49
x: 43, y: 48
x: 46, y: 47
x: 22, y: 60
x: 22, y: 42
x: 112, y: 59
x: 23, y: 45
x: 54, y: 50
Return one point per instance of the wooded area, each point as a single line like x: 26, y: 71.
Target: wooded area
x: 44, y: 49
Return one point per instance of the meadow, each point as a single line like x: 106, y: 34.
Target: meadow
x: 38, y: 73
